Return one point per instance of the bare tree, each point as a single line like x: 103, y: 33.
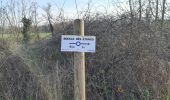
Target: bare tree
x: 14, y: 11
x: 34, y: 14
x: 140, y: 10
x: 149, y: 12
x: 131, y: 9
x: 2, y: 20
x: 156, y: 15
x: 163, y: 12
x: 49, y: 18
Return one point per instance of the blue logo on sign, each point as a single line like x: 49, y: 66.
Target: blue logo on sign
x: 78, y: 43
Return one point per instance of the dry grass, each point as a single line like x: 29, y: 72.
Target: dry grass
x: 131, y: 57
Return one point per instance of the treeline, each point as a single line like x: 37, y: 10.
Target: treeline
x: 13, y: 11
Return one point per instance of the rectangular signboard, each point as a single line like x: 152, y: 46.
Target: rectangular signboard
x: 74, y: 43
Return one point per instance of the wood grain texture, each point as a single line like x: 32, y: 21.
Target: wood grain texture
x: 79, y: 65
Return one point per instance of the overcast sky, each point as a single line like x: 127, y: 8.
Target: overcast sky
x: 70, y: 8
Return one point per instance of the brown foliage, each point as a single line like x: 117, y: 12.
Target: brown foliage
x: 16, y: 81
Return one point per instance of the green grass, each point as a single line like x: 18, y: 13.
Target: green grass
x: 13, y: 42
x: 45, y: 35
x: 32, y: 35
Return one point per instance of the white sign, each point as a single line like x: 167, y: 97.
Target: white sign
x: 78, y: 43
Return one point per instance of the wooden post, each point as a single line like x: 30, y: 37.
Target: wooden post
x: 79, y: 65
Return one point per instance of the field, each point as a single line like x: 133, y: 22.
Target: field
x: 33, y: 36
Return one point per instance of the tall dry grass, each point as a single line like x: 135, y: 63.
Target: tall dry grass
x: 131, y: 63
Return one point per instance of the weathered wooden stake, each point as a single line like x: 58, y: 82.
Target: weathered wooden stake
x: 79, y: 65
